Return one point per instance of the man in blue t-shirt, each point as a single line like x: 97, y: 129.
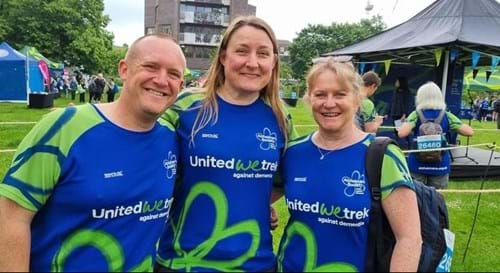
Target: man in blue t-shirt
x: 74, y: 201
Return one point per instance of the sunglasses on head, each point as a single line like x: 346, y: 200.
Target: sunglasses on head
x: 335, y: 59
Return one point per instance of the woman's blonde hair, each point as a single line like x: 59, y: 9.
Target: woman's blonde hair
x: 208, y: 111
x: 429, y: 96
x: 349, y: 79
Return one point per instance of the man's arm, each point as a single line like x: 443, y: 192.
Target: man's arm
x: 15, y: 236
x: 372, y: 126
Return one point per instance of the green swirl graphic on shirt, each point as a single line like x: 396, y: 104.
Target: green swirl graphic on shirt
x: 197, y: 256
x: 105, y: 243
x: 310, y: 265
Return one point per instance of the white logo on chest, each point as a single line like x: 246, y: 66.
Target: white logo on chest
x: 113, y: 174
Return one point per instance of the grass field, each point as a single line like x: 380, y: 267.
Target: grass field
x: 484, y: 251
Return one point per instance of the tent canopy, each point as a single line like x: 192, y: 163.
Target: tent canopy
x: 468, y: 25
x: 33, y: 52
x: 13, y: 75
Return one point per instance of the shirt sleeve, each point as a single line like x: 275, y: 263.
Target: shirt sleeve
x: 368, y: 113
x: 395, y: 172
x: 37, y: 164
x: 412, y: 118
x: 454, y: 121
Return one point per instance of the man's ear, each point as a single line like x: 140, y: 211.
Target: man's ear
x: 123, y: 69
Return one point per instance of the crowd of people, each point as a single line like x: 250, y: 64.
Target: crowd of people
x: 80, y: 84
x: 185, y: 181
x: 486, y: 108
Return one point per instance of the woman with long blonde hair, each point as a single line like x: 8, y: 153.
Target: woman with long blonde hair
x: 231, y: 134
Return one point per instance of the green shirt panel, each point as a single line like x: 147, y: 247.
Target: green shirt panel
x: 40, y: 157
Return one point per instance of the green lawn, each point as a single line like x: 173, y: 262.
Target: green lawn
x: 483, y: 254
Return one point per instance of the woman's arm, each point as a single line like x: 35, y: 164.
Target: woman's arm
x: 401, y: 210
x: 465, y: 130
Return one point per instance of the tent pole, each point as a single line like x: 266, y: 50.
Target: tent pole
x: 445, y: 71
x: 27, y: 78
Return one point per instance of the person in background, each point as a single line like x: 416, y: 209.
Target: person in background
x: 496, y: 108
x: 232, y: 134
x: 81, y: 91
x: 73, y: 86
x: 484, y: 108
x: 400, y: 99
x: 431, y: 103
x: 318, y: 174
x: 100, y: 84
x: 370, y: 121
x: 112, y: 90
x: 92, y: 89
x: 90, y: 187
x: 400, y: 107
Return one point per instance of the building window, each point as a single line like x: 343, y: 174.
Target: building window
x: 165, y: 28
x: 150, y: 30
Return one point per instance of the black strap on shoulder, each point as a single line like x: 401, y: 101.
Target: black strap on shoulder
x: 440, y: 116
x: 421, y: 116
x: 373, y: 164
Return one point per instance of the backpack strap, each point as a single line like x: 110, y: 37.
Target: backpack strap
x: 440, y: 116
x: 421, y: 116
x: 373, y: 164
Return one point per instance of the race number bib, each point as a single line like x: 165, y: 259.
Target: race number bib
x: 445, y: 263
x: 429, y: 142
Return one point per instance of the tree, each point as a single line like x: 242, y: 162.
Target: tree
x: 69, y: 30
x: 117, y: 54
x: 315, y: 40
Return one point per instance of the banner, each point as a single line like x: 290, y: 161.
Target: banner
x: 387, y: 64
x: 494, y: 62
x: 488, y: 74
x: 453, y: 54
x: 475, y: 58
x: 437, y: 54
x: 44, y: 68
x: 474, y: 73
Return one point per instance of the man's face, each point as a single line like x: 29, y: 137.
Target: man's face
x: 153, y: 76
x: 371, y: 90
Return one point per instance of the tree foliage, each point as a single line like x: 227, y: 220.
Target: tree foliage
x: 64, y: 30
x: 315, y: 40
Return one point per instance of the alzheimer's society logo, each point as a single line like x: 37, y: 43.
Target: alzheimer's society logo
x: 171, y: 165
x: 355, y: 185
x: 268, y: 139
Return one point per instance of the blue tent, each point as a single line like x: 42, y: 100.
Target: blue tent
x: 13, y: 75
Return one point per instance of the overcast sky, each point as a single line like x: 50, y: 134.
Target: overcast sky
x: 286, y: 17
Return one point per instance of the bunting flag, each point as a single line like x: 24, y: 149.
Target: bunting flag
x: 474, y: 73
x: 437, y: 54
x: 494, y: 62
x: 453, y: 54
x: 488, y: 74
x: 374, y: 67
x: 475, y: 59
x: 387, y: 64
x: 362, y: 68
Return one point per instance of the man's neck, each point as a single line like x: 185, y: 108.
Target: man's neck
x: 122, y: 115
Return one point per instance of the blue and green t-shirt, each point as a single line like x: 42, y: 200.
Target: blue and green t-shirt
x: 101, y: 194
x: 329, y: 201
x: 220, y: 218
